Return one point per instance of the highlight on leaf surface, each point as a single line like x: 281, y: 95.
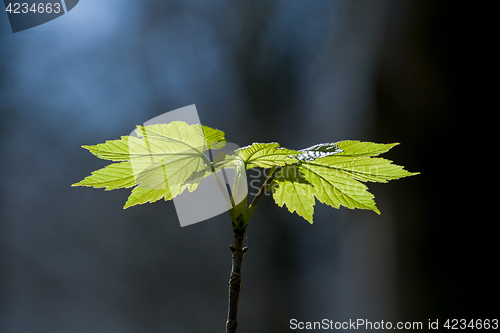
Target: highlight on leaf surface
x: 317, y: 151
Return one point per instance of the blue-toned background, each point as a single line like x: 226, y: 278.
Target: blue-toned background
x: 296, y: 72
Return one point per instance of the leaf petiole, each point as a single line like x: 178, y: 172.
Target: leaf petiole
x: 259, y: 195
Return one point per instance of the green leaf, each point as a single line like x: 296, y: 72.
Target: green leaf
x: 215, y: 138
x: 332, y: 174
x: 166, y: 159
x: 359, y: 148
x: 266, y: 155
x: 361, y: 168
x: 290, y: 188
x: 113, y: 176
x: 160, y: 162
x: 335, y: 187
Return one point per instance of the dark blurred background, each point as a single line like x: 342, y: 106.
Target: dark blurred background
x: 296, y: 72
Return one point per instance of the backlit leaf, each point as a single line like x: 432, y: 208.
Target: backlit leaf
x: 266, y: 155
x: 160, y: 162
x: 333, y: 174
x: 290, y: 188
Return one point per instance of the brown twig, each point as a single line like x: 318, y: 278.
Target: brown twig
x: 235, y: 283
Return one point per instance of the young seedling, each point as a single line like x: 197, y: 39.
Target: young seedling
x: 166, y: 159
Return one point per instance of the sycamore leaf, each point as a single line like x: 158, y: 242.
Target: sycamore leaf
x: 266, y: 155
x: 215, y: 138
x: 113, y: 176
x: 359, y: 148
x: 166, y: 159
x: 335, y: 187
x: 160, y: 162
x: 290, y: 188
x: 332, y: 174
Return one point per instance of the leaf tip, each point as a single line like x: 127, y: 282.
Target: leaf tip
x: 392, y: 145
